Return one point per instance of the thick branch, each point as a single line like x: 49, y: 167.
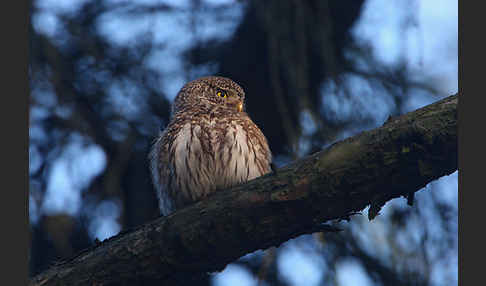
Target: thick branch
x: 397, y: 159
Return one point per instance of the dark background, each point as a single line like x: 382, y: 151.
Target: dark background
x: 103, y: 74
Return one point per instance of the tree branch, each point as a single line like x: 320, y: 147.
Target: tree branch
x: 394, y: 160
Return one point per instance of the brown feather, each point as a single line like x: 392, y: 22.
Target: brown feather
x: 207, y: 146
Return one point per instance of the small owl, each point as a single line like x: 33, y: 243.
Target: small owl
x: 210, y: 144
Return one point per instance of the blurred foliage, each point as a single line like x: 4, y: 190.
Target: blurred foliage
x: 91, y: 90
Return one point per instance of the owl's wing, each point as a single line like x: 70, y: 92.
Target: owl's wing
x: 159, y: 167
x: 260, y: 145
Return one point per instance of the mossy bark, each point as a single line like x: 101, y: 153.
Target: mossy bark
x: 394, y: 160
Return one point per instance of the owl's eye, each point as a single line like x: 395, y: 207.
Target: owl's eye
x: 222, y: 93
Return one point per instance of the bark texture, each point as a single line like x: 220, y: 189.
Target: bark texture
x: 375, y: 166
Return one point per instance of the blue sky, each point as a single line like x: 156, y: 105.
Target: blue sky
x: 428, y: 45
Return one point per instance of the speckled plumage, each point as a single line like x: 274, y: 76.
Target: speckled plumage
x: 209, y: 144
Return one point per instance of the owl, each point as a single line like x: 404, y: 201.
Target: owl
x: 209, y: 144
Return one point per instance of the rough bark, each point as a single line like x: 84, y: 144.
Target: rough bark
x: 394, y: 160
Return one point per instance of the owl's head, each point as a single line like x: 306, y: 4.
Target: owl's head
x: 210, y: 92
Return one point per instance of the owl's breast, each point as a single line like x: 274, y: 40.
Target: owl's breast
x: 212, y: 154
x: 237, y: 156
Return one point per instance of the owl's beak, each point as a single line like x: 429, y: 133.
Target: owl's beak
x: 235, y: 102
